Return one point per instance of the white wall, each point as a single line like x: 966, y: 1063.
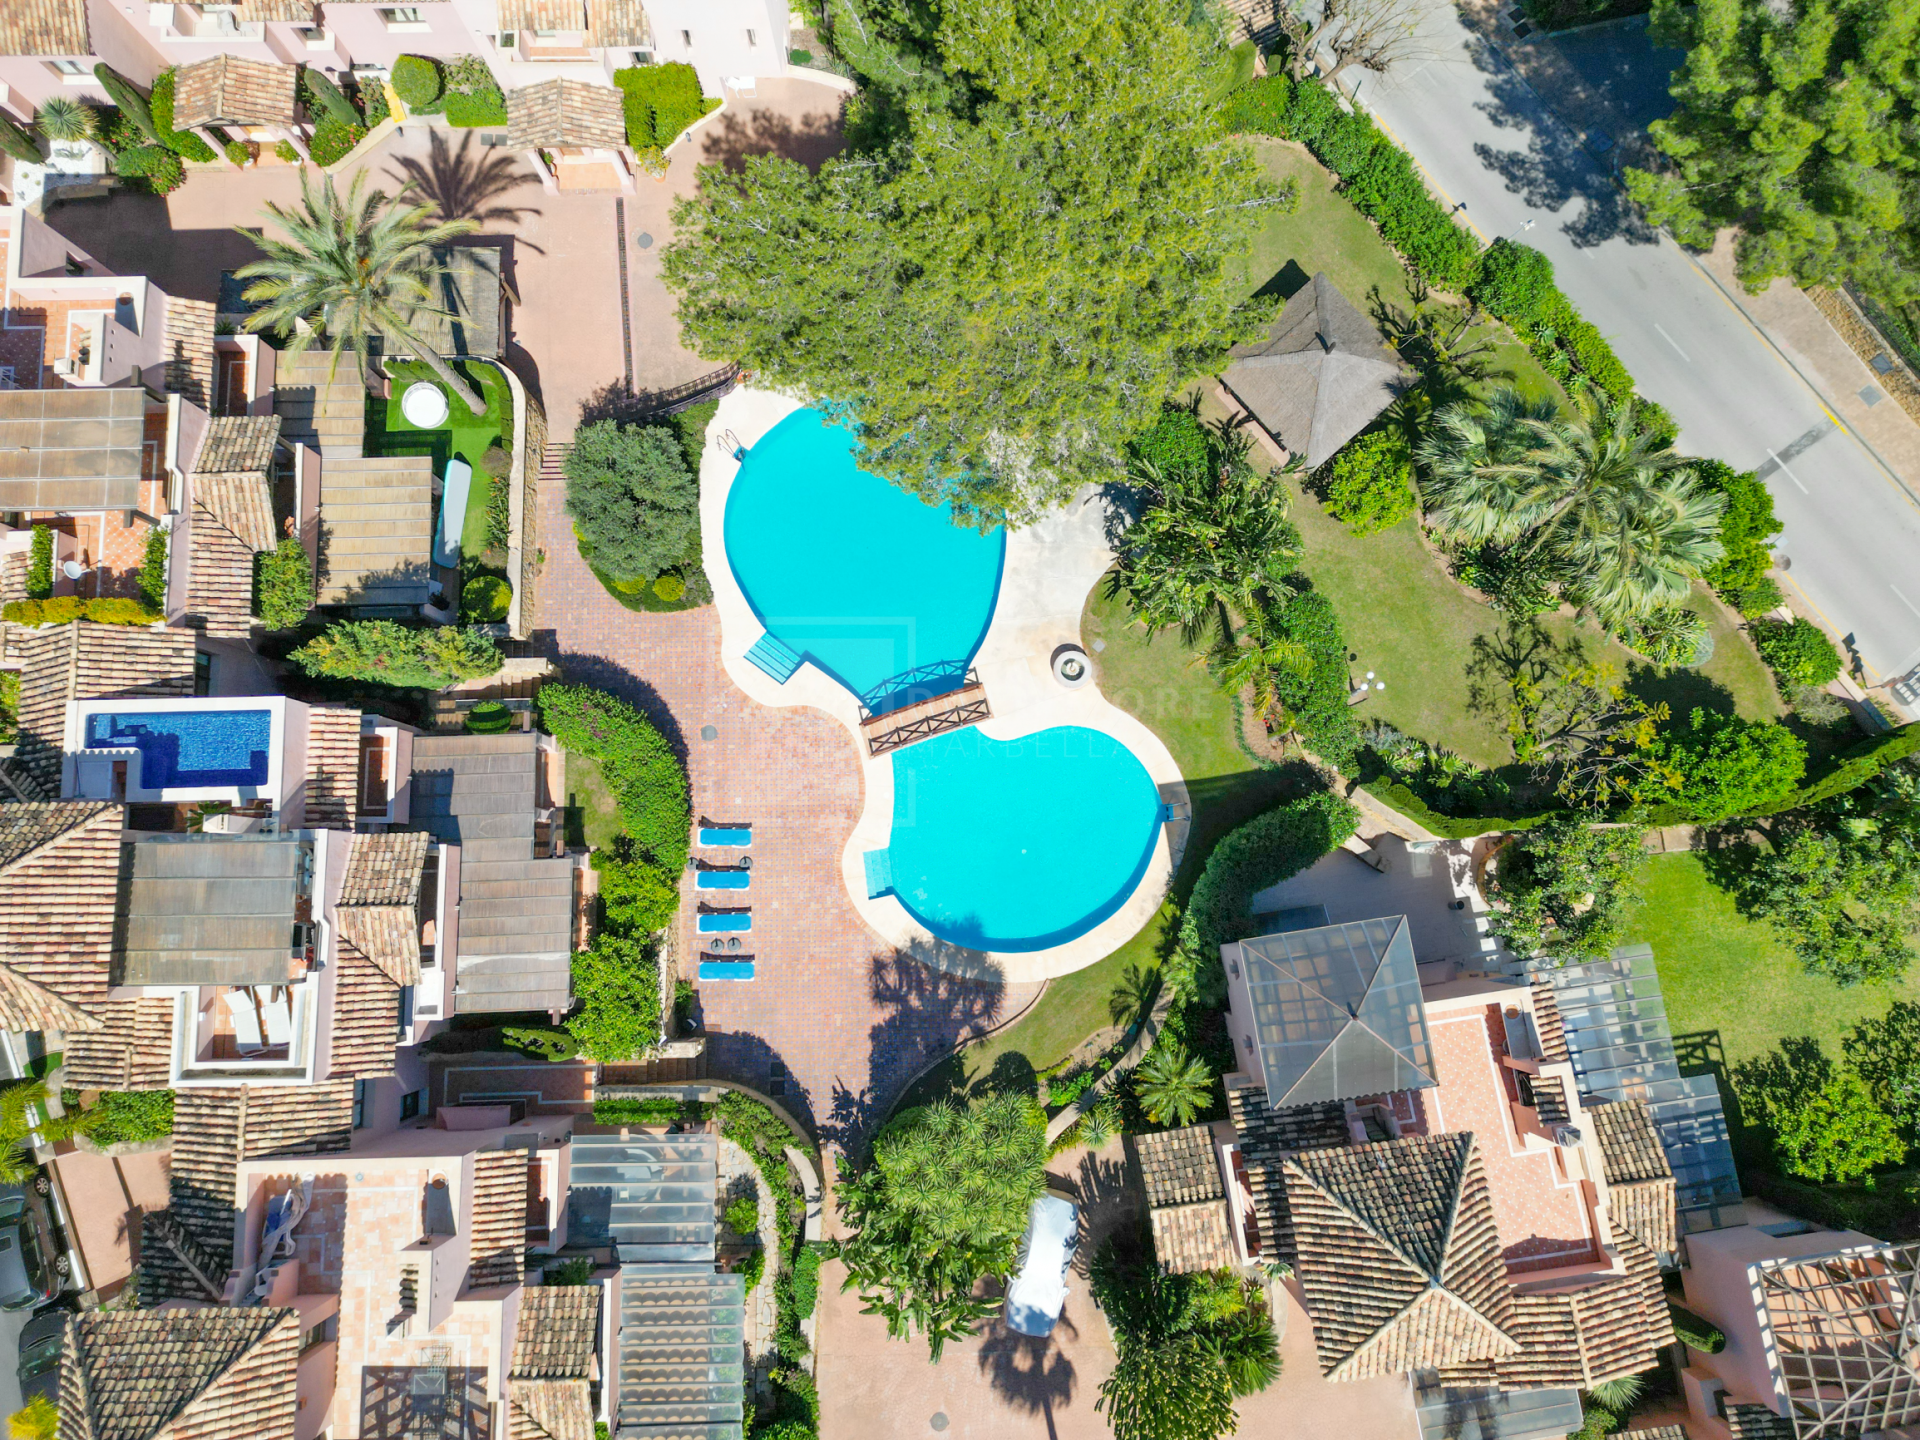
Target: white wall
x: 718, y: 32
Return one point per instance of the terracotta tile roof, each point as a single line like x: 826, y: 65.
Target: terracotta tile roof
x: 239, y: 500
x: 333, y: 767
x: 497, y: 1238
x: 238, y: 443
x: 85, y: 661
x: 543, y: 15
x: 618, y: 22
x: 566, y: 114
x: 293, y: 10
x: 366, y: 1017
x: 1550, y: 1100
x: 189, y: 342
x: 1398, y: 1256
x: 1757, y: 1422
x: 1548, y: 1025
x: 13, y: 576
x: 220, y: 1373
x: 60, y: 888
x: 549, y: 1410
x: 44, y: 27
x: 1660, y: 1432
x: 219, y: 599
x: 215, y: 1129
x: 128, y: 1052
x: 559, y: 1332
x: 27, y: 1006
x: 1267, y: 1137
x: 385, y: 868
x: 1640, y: 1182
x: 228, y: 90
x: 1179, y: 1166
x: 1187, y: 1238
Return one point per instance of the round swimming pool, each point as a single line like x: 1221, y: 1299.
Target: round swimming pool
x: 866, y: 581
x: 1019, y: 845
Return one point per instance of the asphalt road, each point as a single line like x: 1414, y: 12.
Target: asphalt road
x: 1489, y: 144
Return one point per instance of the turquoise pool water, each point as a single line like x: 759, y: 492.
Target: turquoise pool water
x: 867, y: 582
x: 1019, y: 845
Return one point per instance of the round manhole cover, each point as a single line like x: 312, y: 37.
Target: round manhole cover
x: 709, y: 732
x: 643, y: 240
x: 939, y: 1421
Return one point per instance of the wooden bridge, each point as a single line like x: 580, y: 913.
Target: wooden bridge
x: 923, y: 719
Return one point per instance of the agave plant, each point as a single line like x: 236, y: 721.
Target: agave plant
x: 62, y: 118
x: 1618, y: 1395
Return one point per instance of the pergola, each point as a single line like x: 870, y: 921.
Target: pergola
x: 1842, y: 1333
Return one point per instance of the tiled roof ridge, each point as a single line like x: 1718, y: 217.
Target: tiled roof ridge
x: 78, y: 814
x: 136, y: 1374
x: 1463, y: 1140
x: 1496, y: 1340
x: 27, y: 1005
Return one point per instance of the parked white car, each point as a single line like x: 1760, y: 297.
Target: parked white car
x: 1038, y: 1289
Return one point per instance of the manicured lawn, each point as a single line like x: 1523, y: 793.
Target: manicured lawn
x: 592, y: 816
x: 1726, y: 975
x: 464, y: 435
x: 1326, y: 233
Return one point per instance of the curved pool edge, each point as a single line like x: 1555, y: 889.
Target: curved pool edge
x: 1046, y: 574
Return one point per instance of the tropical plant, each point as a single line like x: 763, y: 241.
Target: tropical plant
x: 617, y: 983
x: 1670, y: 635
x: 61, y: 117
x: 389, y: 653
x: 1618, y: 1395
x: 283, y: 584
x: 633, y: 500
x: 1172, y: 1085
x: 1727, y: 766
x: 23, y: 1114
x: 998, y: 310
x: 1213, y: 534
x: 1174, y: 1391
x: 1257, y: 660
x: 940, y: 1206
x: 1562, y: 888
x: 1628, y: 526
x: 38, y: 1419
x: 351, y: 271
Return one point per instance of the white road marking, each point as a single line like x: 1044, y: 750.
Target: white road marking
x: 1676, y: 348
x: 1904, y: 600
x: 1788, y: 473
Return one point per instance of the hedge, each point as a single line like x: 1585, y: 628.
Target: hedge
x: 326, y: 97
x: 283, y: 585
x: 183, y: 143
x: 128, y: 99
x: 659, y: 102
x: 417, y: 80
x: 155, y: 164
x: 332, y: 141
x: 646, y: 777
x: 1515, y: 283
x: 1853, y: 767
x: 40, y: 564
x: 1318, y: 700
x: 1695, y: 1333
x: 64, y: 608
x: 1266, y: 850
x: 1396, y: 796
x: 153, y: 569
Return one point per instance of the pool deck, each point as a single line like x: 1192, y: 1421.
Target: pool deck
x: 1050, y: 567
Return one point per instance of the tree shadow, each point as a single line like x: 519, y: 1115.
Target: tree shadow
x: 605, y: 674
x: 811, y: 140
x: 1553, y: 171
x: 461, y: 185
x: 1029, y: 1372
x: 619, y: 402
x: 1680, y: 689
x: 1521, y: 650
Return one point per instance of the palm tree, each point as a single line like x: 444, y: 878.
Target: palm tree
x: 1172, y: 1085
x: 1256, y: 659
x: 1592, y: 490
x: 62, y: 118
x: 354, y: 269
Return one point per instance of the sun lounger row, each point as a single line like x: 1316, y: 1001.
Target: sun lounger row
x: 723, y: 964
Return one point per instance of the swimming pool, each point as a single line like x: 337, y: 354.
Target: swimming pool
x: 1019, y: 845
x: 866, y: 581
x: 187, y: 749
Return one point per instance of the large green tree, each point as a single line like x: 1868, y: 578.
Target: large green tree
x: 940, y: 1206
x: 633, y: 500
x: 1800, y: 125
x: 1033, y: 239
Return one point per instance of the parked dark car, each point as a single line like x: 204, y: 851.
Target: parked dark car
x: 30, y: 1259
x: 39, y: 1368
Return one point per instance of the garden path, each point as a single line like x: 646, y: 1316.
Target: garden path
x: 847, y: 1019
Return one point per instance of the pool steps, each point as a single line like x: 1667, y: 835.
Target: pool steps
x: 775, y: 657
x: 879, y: 868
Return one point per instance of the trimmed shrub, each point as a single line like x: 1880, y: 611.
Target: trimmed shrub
x: 1798, y: 651
x: 658, y: 102
x: 640, y: 767
x: 1368, y: 484
x: 1746, y: 525
x: 1515, y: 283
x: 1757, y: 599
x: 332, y: 141
x: 417, y: 80
x: 489, y: 717
x: 1259, y: 108
x: 670, y: 587
x: 283, y: 585
x: 1317, y: 701
x: 153, y: 569
x: 158, y: 166
x: 285, y: 151
x: 240, y: 152
x: 1729, y: 766
x: 17, y: 142
x: 1596, y: 359
x: 1390, y: 192
x: 389, y: 653
x: 1348, y: 143
x: 1266, y: 850
x: 40, y: 564
x: 1310, y: 110
x: 637, y: 895
x: 65, y: 608
x: 130, y: 100
x: 323, y: 96
x: 183, y: 143
x: 743, y: 1216
x: 617, y: 982
x: 485, y: 600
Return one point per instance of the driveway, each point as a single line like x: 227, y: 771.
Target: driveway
x: 1492, y: 146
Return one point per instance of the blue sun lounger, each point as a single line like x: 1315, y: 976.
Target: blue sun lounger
x: 735, y: 836
x: 724, y: 879
x: 721, y: 924
x: 726, y: 969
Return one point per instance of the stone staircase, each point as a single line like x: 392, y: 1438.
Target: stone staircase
x: 321, y: 405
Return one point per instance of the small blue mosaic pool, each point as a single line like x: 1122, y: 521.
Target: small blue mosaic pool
x: 189, y: 749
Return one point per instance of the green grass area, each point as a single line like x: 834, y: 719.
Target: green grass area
x: 473, y: 529
x: 591, y: 816
x: 1728, y: 976
x: 1325, y: 232
x: 463, y: 435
